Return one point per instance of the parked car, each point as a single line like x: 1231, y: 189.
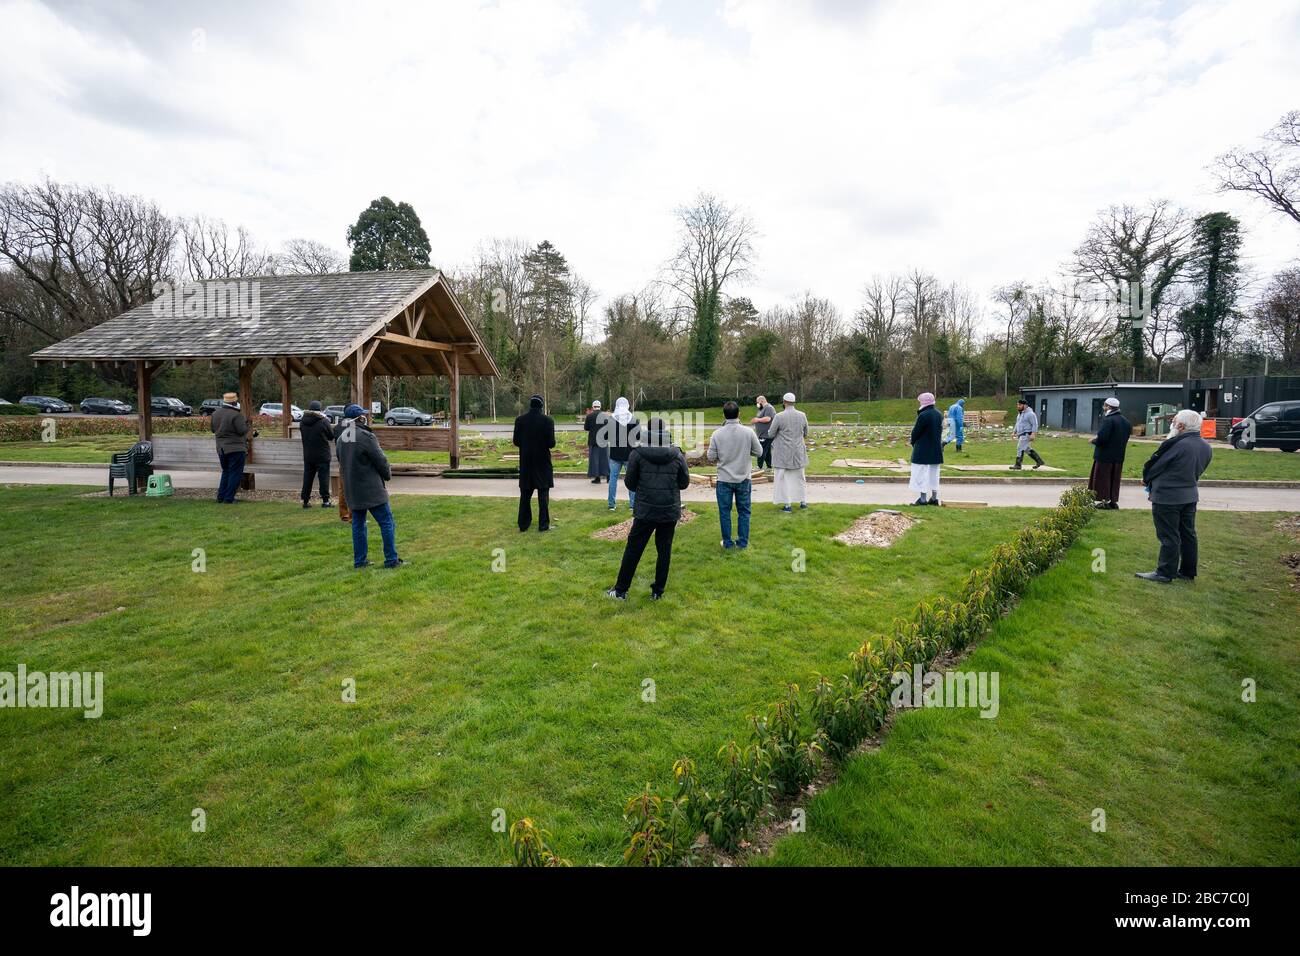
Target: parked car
x: 4, y: 402
x: 169, y: 407
x: 45, y: 403
x: 274, y: 410
x: 1275, y: 425
x: 334, y: 413
x: 407, y: 416
x: 104, y: 406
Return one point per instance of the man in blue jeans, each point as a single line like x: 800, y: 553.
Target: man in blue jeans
x: 733, y: 446
x: 364, y: 469
x: 621, y: 433
x: 231, y: 430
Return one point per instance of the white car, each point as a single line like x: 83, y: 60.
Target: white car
x: 275, y: 409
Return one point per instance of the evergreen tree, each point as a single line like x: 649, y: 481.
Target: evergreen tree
x: 388, y: 236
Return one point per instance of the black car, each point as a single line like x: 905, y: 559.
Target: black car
x: 169, y: 407
x: 1275, y: 425
x: 104, y: 406
x: 210, y: 405
x: 45, y: 403
x: 334, y: 413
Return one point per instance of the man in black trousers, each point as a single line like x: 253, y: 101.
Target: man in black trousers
x: 656, y: 473
x: 1171, y: 477
x: 316, y: 433
x: 535, y: 437
x: 1109, y: 446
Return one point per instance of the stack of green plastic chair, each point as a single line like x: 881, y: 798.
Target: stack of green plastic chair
x: 160, y: 486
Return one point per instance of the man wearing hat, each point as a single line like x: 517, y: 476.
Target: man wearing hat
x: 1026, y: 429
x: 535, y: 437
x: 927, y: 450
x: 230, y: 427
x: 597, y: 443
x: 1109, y: 447
x: 364, y: 470
x: 787, y: 433
x: 316, y: 433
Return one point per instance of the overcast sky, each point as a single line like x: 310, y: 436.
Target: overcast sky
x: 975, y: 139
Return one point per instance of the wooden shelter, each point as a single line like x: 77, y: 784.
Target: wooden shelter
x: 353, y: 324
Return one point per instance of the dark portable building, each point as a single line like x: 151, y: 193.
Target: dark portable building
x: 1236, y: 396
x: 1079, y: 407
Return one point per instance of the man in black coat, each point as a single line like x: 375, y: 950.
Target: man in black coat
x: 597, y: 443
x: 535, y: 437
x: 1109, y: 446
x: 657, y: 473
x: 927, y: 450
x: 316, y: 433
x: 1171, y: 477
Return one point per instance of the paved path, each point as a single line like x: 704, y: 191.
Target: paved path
x: 1003, y: 494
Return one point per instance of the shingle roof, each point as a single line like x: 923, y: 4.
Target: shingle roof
x: 275, y: 316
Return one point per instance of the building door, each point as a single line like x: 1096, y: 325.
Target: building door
x: 1211, y: 403
x: 1069, y: 410
x: 1096, y: 413
x: 1042, y: 415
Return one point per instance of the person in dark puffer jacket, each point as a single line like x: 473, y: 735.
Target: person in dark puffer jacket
x: 657, y: 473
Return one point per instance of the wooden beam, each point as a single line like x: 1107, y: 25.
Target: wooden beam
x: 406, y: 341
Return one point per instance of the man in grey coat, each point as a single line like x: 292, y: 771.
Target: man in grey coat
x: 1171, y: 477
x: 364, y: 470
x: 732, y: 446
x: 788, y: 432
x: 1026, y: 429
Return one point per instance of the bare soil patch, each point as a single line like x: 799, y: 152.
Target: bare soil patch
x: 880, y: 529
x: 618, y: 532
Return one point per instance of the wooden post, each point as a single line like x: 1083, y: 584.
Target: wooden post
x: 367, y: 389
x: 143, y: 399
x: 354, y: 380
x: 246, y: 367
x: 286, y: 397
x: 455, y: 409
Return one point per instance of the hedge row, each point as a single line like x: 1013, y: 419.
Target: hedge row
x: 25, y: 428
x: 788, y: 743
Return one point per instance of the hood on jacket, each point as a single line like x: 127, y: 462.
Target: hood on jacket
x: 622, y: 411
x: 658, y: 454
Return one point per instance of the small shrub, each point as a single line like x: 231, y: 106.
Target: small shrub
x: 530, y: 845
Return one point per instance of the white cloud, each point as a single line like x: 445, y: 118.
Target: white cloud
x: 976, y: 140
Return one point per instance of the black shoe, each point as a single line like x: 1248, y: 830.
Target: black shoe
x: 656, y: 595
x: 1039, y: 465
x: 306, y: 505
x: 595, y: 481
x: 1152, y: 576
x: 395, y: 564
x: 611, y: 593
x: 326, y: 504
x: 1191, y: 578
x: 1017, y: 468
x: 363, y: 564
x: 934, y: 500
x: 920, y: 501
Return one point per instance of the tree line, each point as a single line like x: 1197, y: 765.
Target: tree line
x: 73, y: 256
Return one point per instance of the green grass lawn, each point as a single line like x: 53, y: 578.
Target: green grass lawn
x: 1115, y: 694
x: 476, y: 690
x: 1072, y: 453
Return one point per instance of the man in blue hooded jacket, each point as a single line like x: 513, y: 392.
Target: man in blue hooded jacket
x: 957, y: 416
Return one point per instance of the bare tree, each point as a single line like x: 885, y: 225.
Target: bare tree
x: 92, y: 254
x: 211, y: 251
x: 309, y: 257
x: 1271, y: 171
x: 1149, y: 248
x: 1277, y: 314
x: 805, y: 330
x: 716, y: 248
